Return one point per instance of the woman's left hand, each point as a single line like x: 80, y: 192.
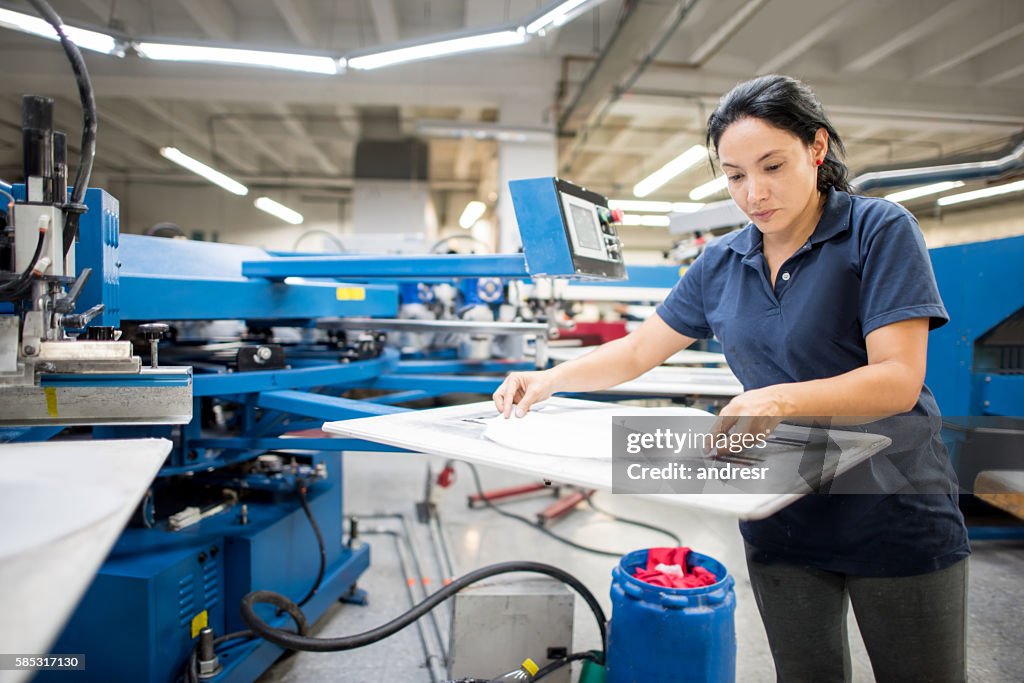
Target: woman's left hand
x: 758, y: 411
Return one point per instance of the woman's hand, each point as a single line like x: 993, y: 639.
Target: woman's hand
x: 522, y: 390
x: 758, y: 411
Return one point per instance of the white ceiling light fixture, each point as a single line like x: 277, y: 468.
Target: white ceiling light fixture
x: 709, y: 188
x: 646, y: 220
x: 689, y: 158
x: 556, y: 16
x: 687, y: 207
x: 438, y: 48
x: 472, y: 213
x: 87, y: 40
x: 923, y: 191
x: 640, y: 205
x: 222, y: 55
x: 200, y: 169
x: 984, y: 193
x: 278, y: 210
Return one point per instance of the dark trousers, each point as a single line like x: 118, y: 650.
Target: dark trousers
x: 914, y: 627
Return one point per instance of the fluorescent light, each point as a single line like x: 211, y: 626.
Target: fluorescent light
x: 472, y: 213
x: 923, y: 191
x: 201, y: 169
x: 982, y: 194
x: 687, y: 207
x: 649, y: 221
x: 279, y: 210
x: 222, y: 55
x: 439, y: 48
x: 709, y: 188
x: 556, y: 16
x: 88, y: 40
x: 692, y: 156
x: 640, y: 205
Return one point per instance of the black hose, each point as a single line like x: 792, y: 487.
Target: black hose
x: 292, y: 641
x: 75, y: 207
x: 559, y: 663
x: 320, y: 543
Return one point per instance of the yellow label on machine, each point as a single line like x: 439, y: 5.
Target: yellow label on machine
x: 351, y: 293
x: 51, y: 401
x: 199, y: 622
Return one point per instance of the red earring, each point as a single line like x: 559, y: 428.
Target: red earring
x: 818, y: 162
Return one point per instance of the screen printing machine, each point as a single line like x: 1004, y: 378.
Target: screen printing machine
x: 161, y: 406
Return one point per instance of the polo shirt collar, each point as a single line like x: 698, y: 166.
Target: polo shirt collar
x: 835, y: 219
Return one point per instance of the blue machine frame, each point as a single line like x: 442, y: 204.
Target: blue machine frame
x: 140, y: 617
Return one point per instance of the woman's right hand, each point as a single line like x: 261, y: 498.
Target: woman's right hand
x: 520, y: 390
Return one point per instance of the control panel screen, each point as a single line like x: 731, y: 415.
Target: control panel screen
x: 587, y: 232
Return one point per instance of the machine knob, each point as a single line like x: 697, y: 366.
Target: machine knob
x: 152, y: 332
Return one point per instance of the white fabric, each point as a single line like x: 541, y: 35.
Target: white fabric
x: 577, y: 434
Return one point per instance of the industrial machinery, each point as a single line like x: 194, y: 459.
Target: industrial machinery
x: 250, y: 497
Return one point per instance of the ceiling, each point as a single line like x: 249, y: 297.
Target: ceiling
x: 628, y: 84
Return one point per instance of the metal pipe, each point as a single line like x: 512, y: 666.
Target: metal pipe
x: 1010, y: 157
x: 433, y: 662
x: 411, y: 325
x: 417, y: 566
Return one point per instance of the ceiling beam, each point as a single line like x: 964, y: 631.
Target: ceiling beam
x: 214, y: 17
x: 966, y: 40
x: 197, y: 137
x: 725, y: 31
x: 1003, y: 63
x: 299, y: 19
x: 810, y: 35
x: 296, y: 128
x: 384, y: 20
x: 904, y: 28
x: 250, y: 138
x: 101, y: 9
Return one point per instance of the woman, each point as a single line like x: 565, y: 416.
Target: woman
x: 823, y: 306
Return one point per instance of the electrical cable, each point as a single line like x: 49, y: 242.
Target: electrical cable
x: 74, y: 208
x: 320, y: 543
x: 292, y: 641
x: 563, y: 539
x: 559, y: 663
x: 635, y: 522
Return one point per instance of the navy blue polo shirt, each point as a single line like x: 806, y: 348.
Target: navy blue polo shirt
x: 864, y: 267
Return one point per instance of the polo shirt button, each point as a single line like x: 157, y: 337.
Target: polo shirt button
x: 785, y: 277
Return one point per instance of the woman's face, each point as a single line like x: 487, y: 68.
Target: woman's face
x: 773, y: 175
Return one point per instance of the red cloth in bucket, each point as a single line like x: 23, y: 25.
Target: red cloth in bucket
x: 674, y: 573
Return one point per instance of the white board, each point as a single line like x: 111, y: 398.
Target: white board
x: 458, y: 432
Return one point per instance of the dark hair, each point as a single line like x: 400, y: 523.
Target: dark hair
x: 788, y: 104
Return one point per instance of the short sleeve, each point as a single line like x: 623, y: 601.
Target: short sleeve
x: 897, y: 282
x: 683, y: 308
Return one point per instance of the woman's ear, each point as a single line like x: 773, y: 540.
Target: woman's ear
x: 819, y: 148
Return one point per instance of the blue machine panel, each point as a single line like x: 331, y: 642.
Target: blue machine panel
x: 166, y: 279
x: 566, y: 230
x: 982, y: 286
x: 97, y: 248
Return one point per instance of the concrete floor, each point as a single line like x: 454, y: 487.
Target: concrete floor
x: 390, y: 483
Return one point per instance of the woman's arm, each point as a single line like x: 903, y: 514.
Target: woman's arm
x: 612, y: 363
x: 888, y: 385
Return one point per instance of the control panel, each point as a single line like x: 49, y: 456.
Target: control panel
x: 567, y: 231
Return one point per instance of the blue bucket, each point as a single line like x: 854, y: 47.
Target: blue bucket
x: 671, y: 635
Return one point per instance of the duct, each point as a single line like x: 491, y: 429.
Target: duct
x: 1009, y: 158
x: 726, y: 213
